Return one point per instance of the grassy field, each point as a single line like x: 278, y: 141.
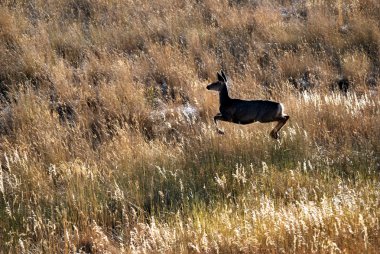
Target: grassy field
x: 107, y: 143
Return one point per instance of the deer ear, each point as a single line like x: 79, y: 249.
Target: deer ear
x: 220, y: 77
x: 224, y: 76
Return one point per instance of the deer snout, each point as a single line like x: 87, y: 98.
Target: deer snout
x: 213, y: 87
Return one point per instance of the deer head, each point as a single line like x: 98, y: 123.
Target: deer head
x: 219, y: 84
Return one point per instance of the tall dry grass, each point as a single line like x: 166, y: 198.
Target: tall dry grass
x: 107, y: 141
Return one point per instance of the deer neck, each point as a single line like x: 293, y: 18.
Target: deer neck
x: 224, y: 98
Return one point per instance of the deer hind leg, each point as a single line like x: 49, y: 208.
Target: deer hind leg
x: 280, y: 124
x: 219, y: 117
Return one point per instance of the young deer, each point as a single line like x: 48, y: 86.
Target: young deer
x: 246, y: 112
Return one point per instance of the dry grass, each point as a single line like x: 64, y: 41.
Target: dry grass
x: 107, y: 142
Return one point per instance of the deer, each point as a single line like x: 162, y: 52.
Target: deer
x: 246, y: 111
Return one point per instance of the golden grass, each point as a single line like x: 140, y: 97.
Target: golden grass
x: 107, y: 141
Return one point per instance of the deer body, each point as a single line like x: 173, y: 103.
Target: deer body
x: 246, y: 111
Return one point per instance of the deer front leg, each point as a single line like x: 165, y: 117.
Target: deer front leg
x: 219, y: 117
